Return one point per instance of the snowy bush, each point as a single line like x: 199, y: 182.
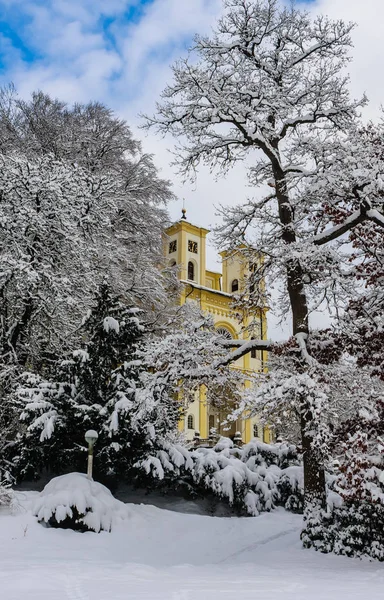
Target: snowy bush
x: 7, y: 495
x: 251, y: 479
x: 74, y: 502
x: 353, y: 524
x: 358, y: 530
x: 290, y: 486
x: 358, y: 524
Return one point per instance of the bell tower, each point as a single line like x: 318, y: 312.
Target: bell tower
x: 186, y: 247
x: 234, y: 268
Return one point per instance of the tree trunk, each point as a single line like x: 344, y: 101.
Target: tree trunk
x: 20, y: 329
x: 314, y: 477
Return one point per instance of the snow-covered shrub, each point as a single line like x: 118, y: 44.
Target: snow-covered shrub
x: 251, y: 479
x: 353, y: 523
x: 290, y: 486
x: 358, y: 524
x: 358, y: 530
x: 74, y: 502
x: 7, y: 495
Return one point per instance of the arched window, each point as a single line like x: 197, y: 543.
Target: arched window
x: 235, y: 285
x: 191, y: 422
x: 224, y: 332
x: 172, y: 263
x: 191, y: 271
x: 255, y: 430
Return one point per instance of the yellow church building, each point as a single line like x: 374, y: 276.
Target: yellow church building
x: 186, y: 247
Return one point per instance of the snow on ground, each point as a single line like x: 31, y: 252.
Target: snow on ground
x: 159, y: 554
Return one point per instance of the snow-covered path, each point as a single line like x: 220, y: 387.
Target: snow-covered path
x: 165, y: 555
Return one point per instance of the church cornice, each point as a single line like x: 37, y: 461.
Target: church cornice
x: 186, y: 226
x: 203, y: 288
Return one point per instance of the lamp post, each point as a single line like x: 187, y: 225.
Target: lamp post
x: 90, y: 437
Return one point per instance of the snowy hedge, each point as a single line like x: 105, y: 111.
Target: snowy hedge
x: 251, y: 479
x: 353, y: 525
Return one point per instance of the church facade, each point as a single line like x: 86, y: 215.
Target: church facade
x: 185, y: 246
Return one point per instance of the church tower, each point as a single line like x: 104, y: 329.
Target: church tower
x: 185, y: 246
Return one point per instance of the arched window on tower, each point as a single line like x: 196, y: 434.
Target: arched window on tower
x: 235, y: 285
x: 191, y: 271
x: 255, y: 430
x: 190, y: 422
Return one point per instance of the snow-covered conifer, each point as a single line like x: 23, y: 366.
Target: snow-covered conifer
x: 104, y: 386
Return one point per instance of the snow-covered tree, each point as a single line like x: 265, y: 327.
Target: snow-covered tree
x: 103, y: 386
x: 79, y: 201
x: 269, y: 87
x: 49, y: 217
x: 191, y: 354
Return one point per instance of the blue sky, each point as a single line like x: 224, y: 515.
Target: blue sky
x: 79, y: 48
x: 86, y: 48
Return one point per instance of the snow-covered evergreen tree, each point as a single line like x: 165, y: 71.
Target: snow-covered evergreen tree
x: 103, y: 386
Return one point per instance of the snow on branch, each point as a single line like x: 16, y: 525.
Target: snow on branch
x: 311, y: 117
x: 335, y: 232
x: 354, y: 219
x: 243, y: 347
x: 376, y: 216
x: 302, y: 341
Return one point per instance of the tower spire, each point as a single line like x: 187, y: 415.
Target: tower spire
x: 184, y: 211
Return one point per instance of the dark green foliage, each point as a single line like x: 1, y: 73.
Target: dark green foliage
x: 102, y: 386
x: 358, y: 530
x: 74, y: 522
x: 291, y: 494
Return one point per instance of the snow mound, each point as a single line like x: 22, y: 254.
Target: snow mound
x: 76, y: 502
